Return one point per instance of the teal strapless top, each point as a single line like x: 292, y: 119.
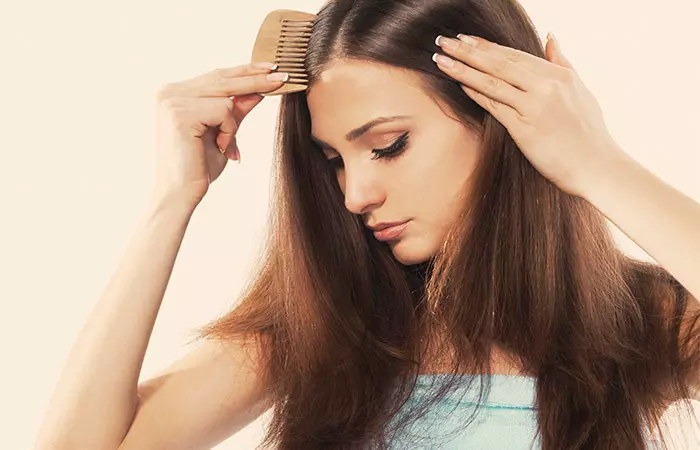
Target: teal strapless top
x: 507, y: 417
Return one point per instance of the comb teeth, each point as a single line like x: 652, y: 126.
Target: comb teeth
x: 291, y: 49
x: 283, y: 39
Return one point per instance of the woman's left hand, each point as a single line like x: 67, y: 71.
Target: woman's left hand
x: 553, y: 118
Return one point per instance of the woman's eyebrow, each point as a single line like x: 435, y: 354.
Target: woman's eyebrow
x: 359, y: 131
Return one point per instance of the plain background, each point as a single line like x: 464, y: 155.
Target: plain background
x: 79, y: 80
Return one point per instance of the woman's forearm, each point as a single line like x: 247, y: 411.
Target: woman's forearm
x: 663, y: 221
x: 96, y: 396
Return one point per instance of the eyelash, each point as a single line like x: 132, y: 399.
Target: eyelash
x: 389, y: 152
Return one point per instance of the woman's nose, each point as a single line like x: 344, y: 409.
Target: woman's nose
x: 362, y: 192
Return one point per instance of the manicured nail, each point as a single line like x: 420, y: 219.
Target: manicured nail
x: 467, y: 39
x: 265, y: 65
x: 443, y: 42
x: 443, y: 60
x: 278, y: 76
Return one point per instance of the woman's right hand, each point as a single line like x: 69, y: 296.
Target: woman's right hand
x: 198, y: 117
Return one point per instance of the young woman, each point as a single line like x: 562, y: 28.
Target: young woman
x: 460, y: 239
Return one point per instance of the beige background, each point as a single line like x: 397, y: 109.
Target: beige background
x: 77, y: 107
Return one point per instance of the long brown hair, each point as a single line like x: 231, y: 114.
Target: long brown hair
x: 338, y: 322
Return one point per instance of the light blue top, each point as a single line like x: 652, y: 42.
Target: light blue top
x: 507, y: 418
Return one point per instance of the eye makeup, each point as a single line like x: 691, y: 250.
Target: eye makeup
x: 390, y: 152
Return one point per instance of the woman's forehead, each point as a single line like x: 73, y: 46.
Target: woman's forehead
x: 351, y: 94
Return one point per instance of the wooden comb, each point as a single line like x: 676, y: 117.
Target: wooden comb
x: 283, y: 39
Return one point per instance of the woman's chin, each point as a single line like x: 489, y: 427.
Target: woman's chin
x: 409, y: 253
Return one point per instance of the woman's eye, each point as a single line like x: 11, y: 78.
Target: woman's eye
x: 394, y: 149
x: 389, y: 152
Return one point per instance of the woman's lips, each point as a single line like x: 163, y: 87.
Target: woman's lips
x: 391, y: 232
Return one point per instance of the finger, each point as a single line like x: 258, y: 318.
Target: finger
x: 532, y: 63
x: 511, y: 68
x: 232, y: 151
x: 491, y: 86
x: 242, y: 70
x: 555, y: 55
x: 243, y: 104
x: 191, y: 87
x: 228, y: 126
x: 503, y: 113
x: 245, y: 85
x: 195, y: 116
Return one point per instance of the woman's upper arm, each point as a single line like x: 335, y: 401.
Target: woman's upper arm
x: 198, y: 401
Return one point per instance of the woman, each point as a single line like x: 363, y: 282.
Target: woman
x: 501, y: 265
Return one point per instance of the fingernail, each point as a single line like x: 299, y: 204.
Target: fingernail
x: 467, y: 39
x: 443, y: 60
x: 278, y: 76
x: 265, y: 65
x: 444, y: 42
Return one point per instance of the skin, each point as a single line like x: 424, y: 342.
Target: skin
x: 424, y: 182
x: 550, y: 114
x: 559, y: 126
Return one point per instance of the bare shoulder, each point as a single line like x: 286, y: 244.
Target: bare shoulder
x: 200, y: 400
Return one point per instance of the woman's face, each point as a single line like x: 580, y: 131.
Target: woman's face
x: 422, y: 182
